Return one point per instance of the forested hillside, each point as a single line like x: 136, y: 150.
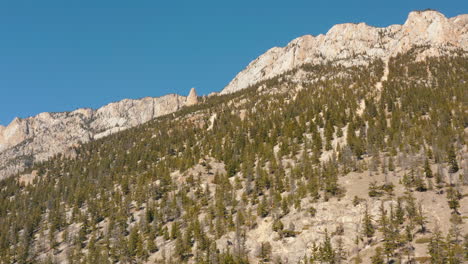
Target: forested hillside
x: 322, y: 164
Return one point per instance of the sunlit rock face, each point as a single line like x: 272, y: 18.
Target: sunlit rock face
x: 192, y: 98
x: 358, y: 44
x: 38, y: 138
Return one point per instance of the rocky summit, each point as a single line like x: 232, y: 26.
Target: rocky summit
x: 358, y: 44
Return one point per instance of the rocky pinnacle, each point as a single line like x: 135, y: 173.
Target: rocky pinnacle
x: 192, y: 98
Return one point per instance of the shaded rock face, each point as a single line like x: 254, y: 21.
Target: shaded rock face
x: 192, y: 98
x: 38, y: 138
x: 357, y: 44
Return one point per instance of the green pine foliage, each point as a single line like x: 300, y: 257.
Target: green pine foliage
x: 118, y: 200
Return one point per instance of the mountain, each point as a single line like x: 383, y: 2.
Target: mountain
x: 322, y: 163
x: 358, y: 44
x: 34, y: 139
x: 38, y: 138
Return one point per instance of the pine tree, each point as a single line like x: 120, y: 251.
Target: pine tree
x: 355, y: 142
x: 436, y: 247
x: 180, y: 249
x: 264, y: 252
x: 389, y: 231
x: 326, y: 251
x: 151, y: 246
x: 340, y: 251
x: 368, y: 227
x: 383, y: 220
x: 391, y: 165
x: 452, y: 159
x: 411, y: 208
x: 421, y: 219
x: 453, y: 197
x: 378, y: 258
x: 262, y: 209
x: 133, y: 241
x: 278, y: 226
x: 175, y: 231
x: 454, y: 250
x: 419, y: 183
x: 93, y: 252
x: 399, y: 211
x: 427, y: 169
x: 465, y: 247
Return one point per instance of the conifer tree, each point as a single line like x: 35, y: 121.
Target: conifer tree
x: 326, y: 251
x: 436, y: 247
x: 264, y: 252
x: 378, y: 258
x: 465, y: 247
x: 368, y: 226
x: 453, y: 197
x: 452, y: 159
x: 262, y: 209
x: 419, y: 183
x: 421, y: 219
x: 133, y: 241
x: 427, y: 169
x: 175, y: 231
x: 454, y: 250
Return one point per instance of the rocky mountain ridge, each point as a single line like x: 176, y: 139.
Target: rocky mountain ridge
x: 37, y: 138
x: 320, y: 164
x: 40, y: 137
x: 264, y: 176
x: 357, y: 44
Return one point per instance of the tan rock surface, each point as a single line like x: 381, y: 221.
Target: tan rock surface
x: 357, y: 44
x: 192, y: 98
x: 25, y: 141
x: 37, y: 138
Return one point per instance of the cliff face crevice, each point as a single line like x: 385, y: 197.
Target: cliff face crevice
x: 358, y: 44
x: 38, y: 138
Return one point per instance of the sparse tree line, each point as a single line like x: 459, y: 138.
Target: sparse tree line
x: 117, y: 202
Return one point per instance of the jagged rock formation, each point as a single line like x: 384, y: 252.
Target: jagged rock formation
x: 308, y: 167
x: 37, y: 138
x: 357, y: 44
x: 192, y: 98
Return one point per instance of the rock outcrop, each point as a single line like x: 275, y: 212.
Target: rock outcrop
x: 37, y: 138
x: 25, y: 141
x: 192, y: 98
x: 357, y: 44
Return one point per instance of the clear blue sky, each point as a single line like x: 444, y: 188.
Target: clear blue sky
x: 62, y: 55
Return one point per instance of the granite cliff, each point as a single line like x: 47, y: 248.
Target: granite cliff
x: 37, y: 138
x: 358, y: 44
x: 25, y: 141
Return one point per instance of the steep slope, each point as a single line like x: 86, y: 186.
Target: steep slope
x: 358, y: 44
x: 38, y: 138
x: 35, y: 139
x: 306, y: 167
x: 292, y: 170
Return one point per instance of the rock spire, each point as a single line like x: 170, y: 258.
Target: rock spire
x: 192, y: 98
